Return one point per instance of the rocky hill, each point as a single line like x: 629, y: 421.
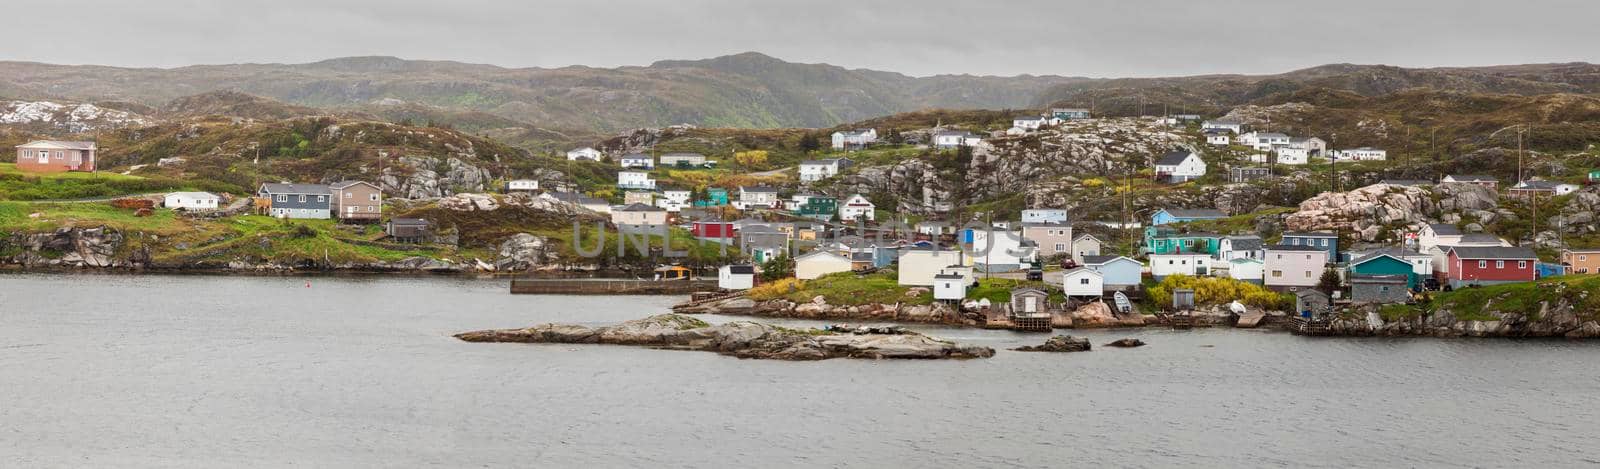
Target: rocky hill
x: 744, y: 90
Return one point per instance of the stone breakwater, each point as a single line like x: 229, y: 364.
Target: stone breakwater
x: 936, y: 313
x: 741, y: 339
x: 1550, y: 320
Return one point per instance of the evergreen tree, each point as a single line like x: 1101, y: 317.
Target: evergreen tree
x: 780, y: 267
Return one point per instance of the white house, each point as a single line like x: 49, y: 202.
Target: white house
x: 1085, y: 245
x: 1437, y: 234
x: 819, y: 263
x: 635, y: 180
x: 637, y: 160
x: 1231, y: 125
x: 1120, y: 272
x: 1245, y: 269
x: 1362, y: 154
x: 816, y: 170
x: 682, y: 159
x: 757, y: 197
x: 918, y: 266
x: 854, y: 139
x: 1083, y: 281
x: 1066, y: 113
x: 1312, y: 145
x: 949, y: 286
x: 522, y: 185
x: 1180, y: 166
x: 1286, y: 267
x: 1044, y: 215
x: 736, y: 277
x: 680, y: 196
x: 192, y: 200
x: 1193, y: 264
x: 584, y: 153
x: 1219, y: 137
x: 1263, y: 141
x: 1239, y: 247
x: 1292, y: 156
x: 857, y: 207
x: 952, y: 139
x: 1028, y: 122
x: 1010, y: 250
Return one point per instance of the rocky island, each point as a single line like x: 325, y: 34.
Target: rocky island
x: 741, y: 339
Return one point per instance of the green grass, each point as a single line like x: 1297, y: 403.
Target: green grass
x: 849, y: 288
x: 1479, y: 303
x: 998, y: 290
x: 18, y: 185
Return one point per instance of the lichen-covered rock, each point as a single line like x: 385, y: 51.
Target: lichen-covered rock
x: 1095, y: 314
x: 1060, y: 343
x: 523, y: 251
x: 740, y: 339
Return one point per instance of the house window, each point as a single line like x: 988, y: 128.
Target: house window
x: 58, y: 155
x: 302, y: 198
x: 1294, y: 241
x: 283, y: 198
x: 1083, y: 281
x: 373, y: 197
x: 1061, y: 247
x: 1277, y: 273
x: 1308, y: 274
x: 1483, y: 264
x: 1324, y: 243
x: 348, y: 195
x: 1583, y: 258
x: 1499, y: 264
x: 372, y: 208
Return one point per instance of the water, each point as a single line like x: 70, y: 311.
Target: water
x: 189, y: 371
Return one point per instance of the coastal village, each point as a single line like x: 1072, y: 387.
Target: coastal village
x: 1032, y: 268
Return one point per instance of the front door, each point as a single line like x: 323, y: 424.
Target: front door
x: 1030, y: 304
x: 44, y: 157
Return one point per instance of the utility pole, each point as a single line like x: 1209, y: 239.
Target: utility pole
x: 1520, y: 132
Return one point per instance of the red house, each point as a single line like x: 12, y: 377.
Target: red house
x: 713, y: 230
x: 1488, y: 265
x: 51, y: 156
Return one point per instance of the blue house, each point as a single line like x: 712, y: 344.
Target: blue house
x: 1181, y: 215
x: 1321, y: 240
x: 1119, y: 272
x: 1384, y: 264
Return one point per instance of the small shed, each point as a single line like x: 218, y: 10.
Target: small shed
x: 736, y: 277
x: 408, y: 230
x: 1182, y: 299
x: 949, y: 286
x: 1083, y: 281
x: 673, y: 272
x: 1309, y: 301
x: 1383, y: 289
x: 1028, y: 300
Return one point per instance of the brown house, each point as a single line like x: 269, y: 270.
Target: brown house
x: 409, y: 230
x: 1581, y: 261
x: 357, y: 201
x: 51, y: 156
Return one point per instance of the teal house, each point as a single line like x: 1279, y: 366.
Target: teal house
x: 1380, y: 263
x: 715, y: 197
x: 819, y: 207
x: 1159, y: 240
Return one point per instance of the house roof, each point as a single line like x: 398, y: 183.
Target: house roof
x: 409, y: 221
x: 341, y: 185
x: 852, y: 133
x: 1225, y: 120
x: 1406, y: 182
x: 60, y: 144
x: 1270, y: 135
x: 1471, y: 178
x: 955, y: 133
x: 1080, y: 270
x: 1371, y: 278
x: 861, y: 256
x: 1311, y: 234
x: 1174, y: 158
x: 1246, y: 260
x: 1538, y: 185
x: 1372, y: 256
x: 1028, y: 291
x: 1218, y: 132
x: 821, y: 253
x: 824, y: 161
x: 1027, y: 118
x: 194, y: 195
x: 1480, y: 238
x: 1195, y: 213
x: 281, y: 188
x: 741, y: 269
x: 758, y: 229
x: 1245, y: 243
x: 1085, y: 235
x: 683, y: 154
x: 1102, y: 260
x: 763, y: 189
x: 943, y: 276
x: 1293, y: 247
x: 1495, y: 252
x: 1397, y: 252
x: 1443, y: 229
x: 637, y: 156
x: 638, y: 207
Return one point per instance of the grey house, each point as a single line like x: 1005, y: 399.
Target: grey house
x: 297, y: 200
x: 1383, y: 289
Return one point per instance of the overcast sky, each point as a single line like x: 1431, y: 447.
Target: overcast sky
x: 990, y: 37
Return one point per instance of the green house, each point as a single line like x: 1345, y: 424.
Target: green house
x: 1594, y: 175
x: 1162, y: 240
x: 1384, y: 264
x: 715, y: 197
x: 819, y: 207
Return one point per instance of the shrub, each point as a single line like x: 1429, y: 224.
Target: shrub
x: 1218, y: 290
x: 775, y: 289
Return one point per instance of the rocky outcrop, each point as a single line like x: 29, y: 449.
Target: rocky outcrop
x: 523, y: 251
x: 1060, y: 343
x: 71, y: 247
x: 421, y: 177
x: 818, y: 308
x: 1126, y: 343
x: 1561, y: 318
x: 1094, y: 314
x: 741, y: 339
x: 1372, y: 212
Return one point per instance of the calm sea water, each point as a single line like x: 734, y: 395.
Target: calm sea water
x: 190, y: 371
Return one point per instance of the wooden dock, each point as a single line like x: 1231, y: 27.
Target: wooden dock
x: 562, y: 286
x: 1311, y: 327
